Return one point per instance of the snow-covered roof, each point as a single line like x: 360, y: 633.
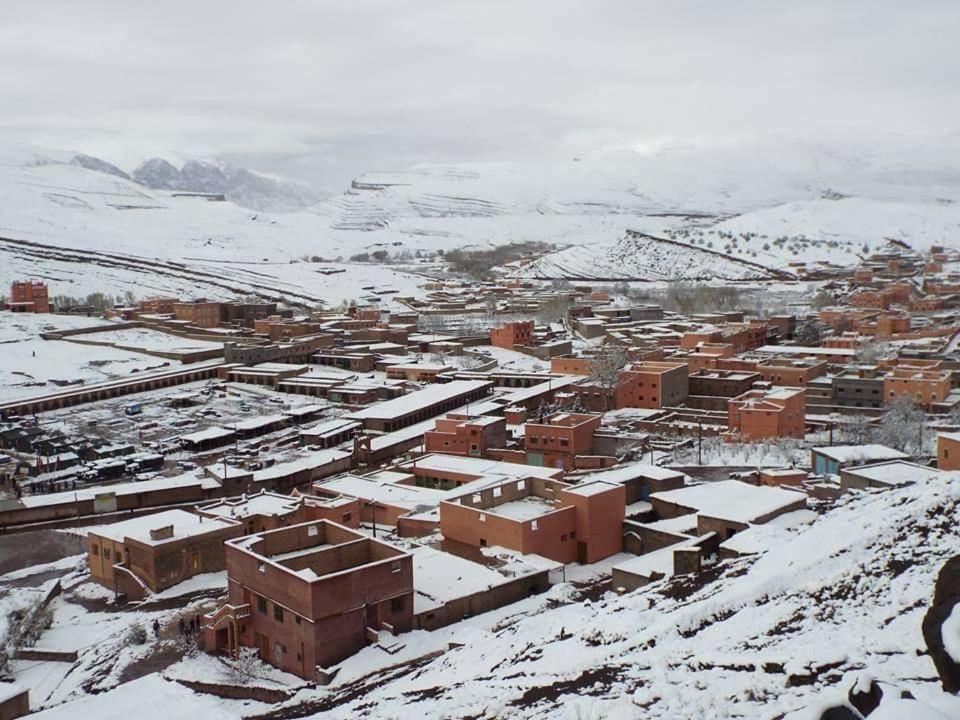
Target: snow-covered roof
x: 259, y: 422
x: 185, y: 524
x: 589, y: 489
x: 264, y: 503
x: 418, y: 400
x: 633, y: 471
x: 860, y: 453
x: 731, y: 499
x: 130, y: 488
x: 211, y: 433
x: 479, y: 467
x: 894, y: 472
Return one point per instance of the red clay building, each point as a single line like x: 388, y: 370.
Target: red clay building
x: 310, y: 595
x: 459, y: 434
x: 200, y: 314
x: 772, y: 413
x: 557, y: 440
x: 29, y: 296
x: 565, y: 523
x: 155, y: 552
x: 652, y: 385
x: 924, y: 386
x: 948, y: 451
x: 514, y: 333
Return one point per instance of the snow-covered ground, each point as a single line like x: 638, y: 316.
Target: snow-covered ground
x: 147, y: 339
x: 83, y: 230
x: 30, y: 365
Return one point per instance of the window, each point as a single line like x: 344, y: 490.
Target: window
x: 563, y: 538
x: 106, y: 553
x: 534, y: 525
x: 397, y: 605
x: 261, y: 566
x: 261, y: 605
x: 482, y: 517
x: 564, y: 442
x: 95, y: 549
x: 573, y: 534
x: 483, y: 542
x: 533, y: 439
x: 312, y: 531
x: 277, y: 613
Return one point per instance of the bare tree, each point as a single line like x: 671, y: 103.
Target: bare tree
x: 857, y: 430
x: 245, y: 666
x: 873, y: 351
x: 605, y: 368
x: 902, y: 427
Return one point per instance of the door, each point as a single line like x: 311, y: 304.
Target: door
x: 278, y: 654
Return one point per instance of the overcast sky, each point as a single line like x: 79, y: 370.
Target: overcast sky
x: 323, y: 90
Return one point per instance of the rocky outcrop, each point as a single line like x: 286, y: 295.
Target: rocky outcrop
x: 97, y: 165
x: 946, y: 596
x: 158, y: 174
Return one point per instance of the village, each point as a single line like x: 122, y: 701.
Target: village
x: 274, y: 501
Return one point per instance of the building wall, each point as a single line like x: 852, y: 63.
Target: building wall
x: 599, y: 520
x: 948, y: 453
x: 324, y: 621
x: 203, y: 314
x: 517, y: 333
x: 645, y: 386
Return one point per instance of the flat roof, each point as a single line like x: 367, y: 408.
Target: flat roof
x: 860, y: 453
x: 185, y: 524
x: 129, y: 488
x: 731, y: 499
x: 894, y: 472
x: 263, y: 503
x: 419, y: 400
x: 479, y: 467
x: 589, y: 489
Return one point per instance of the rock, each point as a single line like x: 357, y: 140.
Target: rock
x: 840, y: 712
x: 158, y: 174
x: 96, y: 164
x: 865, y: 695
x: 945, y: 597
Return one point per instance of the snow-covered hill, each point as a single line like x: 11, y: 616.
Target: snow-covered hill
x: 732, y: 211
x: 792, y: 628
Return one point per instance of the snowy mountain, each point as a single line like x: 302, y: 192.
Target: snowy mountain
x: 244, y: 187
x: 725, y: 212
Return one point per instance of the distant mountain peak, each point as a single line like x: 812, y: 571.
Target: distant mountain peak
x: 158, y: 174
x: 90, y: 162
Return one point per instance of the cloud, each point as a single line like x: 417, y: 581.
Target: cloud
x: 325, y: 90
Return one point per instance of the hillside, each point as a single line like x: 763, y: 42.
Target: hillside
x: 731, y: 213
x: 792, y: 628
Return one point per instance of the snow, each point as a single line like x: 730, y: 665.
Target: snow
x: 589, y: 489
x: 439, y: 577
x: 479, y: 467
x: 10, y: 690
x: 860, y: 453
x: 146, y: 696
x: 130, y: 488
x: 950, y: 631
x: 264, y: 503
x: 418, y: 400
x: 731, y: 499
x: 30, y: 365
x: 527, y: 508
x: 185, y: 525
